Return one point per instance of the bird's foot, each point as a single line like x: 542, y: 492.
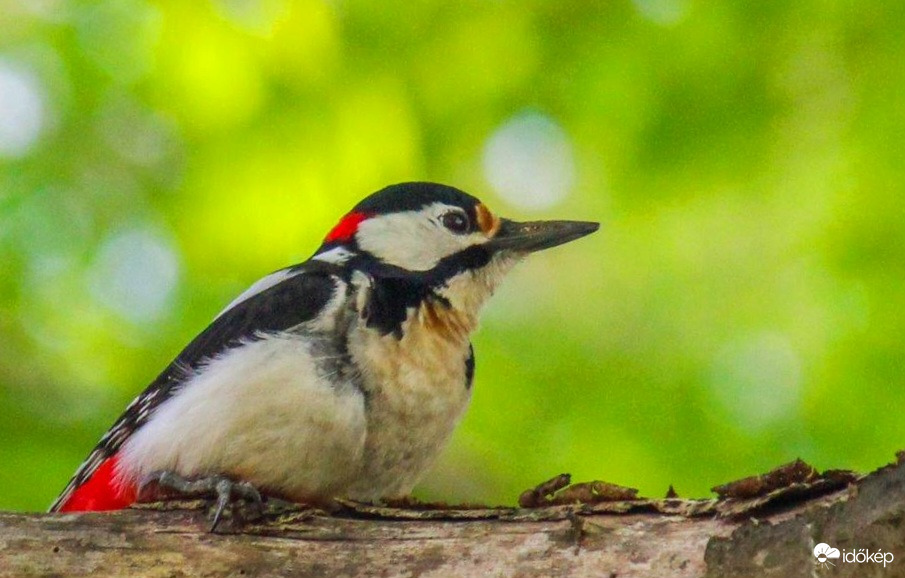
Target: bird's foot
x: 226, y: 490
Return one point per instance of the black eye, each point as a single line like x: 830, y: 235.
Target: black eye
x: 455, y: 222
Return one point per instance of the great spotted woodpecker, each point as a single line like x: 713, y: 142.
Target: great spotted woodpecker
x: 342, y: 376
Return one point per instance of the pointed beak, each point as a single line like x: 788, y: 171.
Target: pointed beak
x: 537, y: 235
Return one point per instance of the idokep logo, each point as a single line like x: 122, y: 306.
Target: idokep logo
x: 826, y: 554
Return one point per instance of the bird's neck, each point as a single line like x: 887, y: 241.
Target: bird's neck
x: 450, y: 305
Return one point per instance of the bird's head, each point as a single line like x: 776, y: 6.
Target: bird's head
x: 439, y: 237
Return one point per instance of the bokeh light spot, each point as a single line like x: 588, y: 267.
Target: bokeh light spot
x: 137, y: 134
x: 119, y: 37
x: 22, y: 111
x: 758, y: 380
x: 528, y: 161
x: 135, y: 274
x: 665, y: 12
x: 50, y: 10
x: 257, y: 16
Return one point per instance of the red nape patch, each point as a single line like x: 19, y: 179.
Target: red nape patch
x: 100, y: 492
x: 344, y: 230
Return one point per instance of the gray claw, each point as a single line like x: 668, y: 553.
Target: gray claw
x: 222, y: 487
x: 226, y: 489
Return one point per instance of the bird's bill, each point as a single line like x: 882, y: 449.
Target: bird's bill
x: 537, y: 235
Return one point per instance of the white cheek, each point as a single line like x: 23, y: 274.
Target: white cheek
x: 411, y: 240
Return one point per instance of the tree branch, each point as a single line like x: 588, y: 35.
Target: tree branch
x: 765, y: 525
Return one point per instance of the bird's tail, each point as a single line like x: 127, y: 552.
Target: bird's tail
x: 100, y: 490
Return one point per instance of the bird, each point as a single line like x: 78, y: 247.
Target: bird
x: 340, y: 377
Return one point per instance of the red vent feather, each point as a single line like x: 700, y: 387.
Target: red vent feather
x: 101, y: 491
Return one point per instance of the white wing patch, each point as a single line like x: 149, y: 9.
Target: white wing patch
x: 336, y: 255
x: 261, y: 285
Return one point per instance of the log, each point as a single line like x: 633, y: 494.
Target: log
x: 765, y: 525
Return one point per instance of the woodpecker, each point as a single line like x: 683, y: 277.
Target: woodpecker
x: 340, y: 377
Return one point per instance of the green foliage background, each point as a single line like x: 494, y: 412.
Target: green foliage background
x: 743, y: 304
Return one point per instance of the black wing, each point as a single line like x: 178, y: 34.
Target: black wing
x: 303, y: 291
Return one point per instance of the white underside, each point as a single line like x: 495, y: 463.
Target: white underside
x: 260, y: 413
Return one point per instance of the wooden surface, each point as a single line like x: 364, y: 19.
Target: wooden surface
x: 771, y: 533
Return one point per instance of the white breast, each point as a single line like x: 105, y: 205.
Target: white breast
x: 263, y: 413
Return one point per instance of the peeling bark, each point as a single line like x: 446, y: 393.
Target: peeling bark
x: 769, y: 530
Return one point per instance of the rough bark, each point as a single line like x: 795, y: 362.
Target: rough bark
x: 762, y: 526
